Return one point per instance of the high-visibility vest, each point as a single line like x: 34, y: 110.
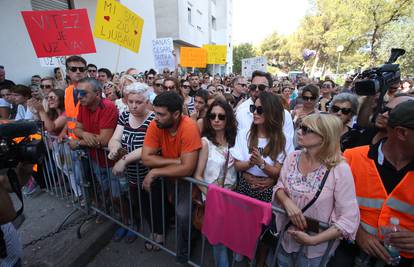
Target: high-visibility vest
x: 375, y: 204
x: 71, y: 111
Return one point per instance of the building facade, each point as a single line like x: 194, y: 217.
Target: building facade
x: 19, y: 58
x: 195, y: 23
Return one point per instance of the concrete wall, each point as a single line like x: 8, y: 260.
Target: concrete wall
x: 166, y: 18
x: 19, y: 58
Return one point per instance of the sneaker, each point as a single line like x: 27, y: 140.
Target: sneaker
x: 32, y: 189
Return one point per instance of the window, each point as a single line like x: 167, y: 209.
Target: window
x: 213, y: 23
x: 189, y: 16
x: 199, y: 28
x: 51, y: 4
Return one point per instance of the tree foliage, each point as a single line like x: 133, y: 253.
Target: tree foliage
x: 366, y: 29
x: 244, y: 50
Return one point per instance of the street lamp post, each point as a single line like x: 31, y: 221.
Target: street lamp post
x: 339, y: 49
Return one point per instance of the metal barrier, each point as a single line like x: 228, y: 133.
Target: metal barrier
x: 85, y: 180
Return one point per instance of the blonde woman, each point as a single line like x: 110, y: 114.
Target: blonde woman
x: 301, y: 177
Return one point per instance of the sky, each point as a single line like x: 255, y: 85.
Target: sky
x: 254, y: 20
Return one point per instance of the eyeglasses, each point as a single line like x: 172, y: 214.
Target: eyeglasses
x: 345, y: 111
x: 74, y: 69
x: 213, y: 116
x: 261, y: 87
x: 309, y: 98
x: 91, y: 70
x: 158, y: 84
x: 168, y: 88
x: 45, y: 86
x: 82, y: 93
x: 259, y: 110
x: 305, y: 129
x: 243, y: 84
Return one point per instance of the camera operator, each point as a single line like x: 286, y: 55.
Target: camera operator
x: 10, y: 247
x: 384, y: 178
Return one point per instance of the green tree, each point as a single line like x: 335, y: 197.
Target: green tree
x: 241, y: 51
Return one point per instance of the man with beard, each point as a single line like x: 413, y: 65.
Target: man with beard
x: 178, y: 139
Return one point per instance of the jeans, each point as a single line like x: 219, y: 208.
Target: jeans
x: 296, y: 259
x: 183, y: 216
x: 105, y: 179
x: 221, y: 258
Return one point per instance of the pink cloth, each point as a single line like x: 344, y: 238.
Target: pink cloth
x: 234, y: 220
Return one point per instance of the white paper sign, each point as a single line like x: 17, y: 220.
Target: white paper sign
x: 251, y: 64
x: 163, y: 57
x: 52, y: 62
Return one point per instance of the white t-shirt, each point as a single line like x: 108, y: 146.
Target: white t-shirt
x: 23, y: 113
x: 245, y: 119
x: 240, y: 152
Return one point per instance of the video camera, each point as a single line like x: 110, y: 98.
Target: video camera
x: 379, y: 79
x: 16, y: 144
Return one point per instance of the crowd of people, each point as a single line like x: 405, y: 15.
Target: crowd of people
x: 269, y: 138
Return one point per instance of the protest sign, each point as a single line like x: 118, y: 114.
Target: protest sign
x: 251, y: 64
x: 216, y: 54
x: 52, y: 62
x: 59, y: 32
x: 115, y: 23
x: 193, y: 57
x: 163, y: 56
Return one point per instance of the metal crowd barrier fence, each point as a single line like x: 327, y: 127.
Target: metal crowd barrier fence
x: 85, y: 180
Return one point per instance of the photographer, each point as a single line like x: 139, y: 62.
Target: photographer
x: 10, y: 247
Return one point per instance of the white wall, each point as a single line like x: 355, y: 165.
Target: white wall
x: 19, y: 58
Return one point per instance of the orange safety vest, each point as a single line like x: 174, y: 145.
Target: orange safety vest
x: 375, y: 204
x: 71, y: 111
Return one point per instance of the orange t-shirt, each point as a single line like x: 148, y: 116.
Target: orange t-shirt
x: 187, y: 138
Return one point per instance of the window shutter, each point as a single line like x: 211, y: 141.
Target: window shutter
x: 50, y: 4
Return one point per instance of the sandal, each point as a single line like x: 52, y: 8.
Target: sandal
x: 157, y: 248
x: 148, y: 246
x: 130, y: 237
x: 119, y: 234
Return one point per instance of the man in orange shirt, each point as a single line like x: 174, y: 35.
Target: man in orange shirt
x: 178, y: 139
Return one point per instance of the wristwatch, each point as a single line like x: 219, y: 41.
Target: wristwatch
x: 263, y: 165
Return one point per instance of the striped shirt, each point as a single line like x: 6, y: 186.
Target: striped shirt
x: 13, y: 245
x: 133, y: 138
x: 190, y: 106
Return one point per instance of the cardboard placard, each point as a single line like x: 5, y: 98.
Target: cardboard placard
x: 117, y: 24
x: 193, y: 57
x: 216, y: 54
x: 251, y: 64
x: 59, y: 32
x: 163, y: 57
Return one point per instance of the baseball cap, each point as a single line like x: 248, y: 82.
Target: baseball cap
x: 402, y: 115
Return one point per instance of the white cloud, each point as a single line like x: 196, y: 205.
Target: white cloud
x: 253, y: 20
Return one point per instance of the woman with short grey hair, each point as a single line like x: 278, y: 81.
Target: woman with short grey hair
x: 345, y: 106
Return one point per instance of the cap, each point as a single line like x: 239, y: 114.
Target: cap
x: 402, y: 115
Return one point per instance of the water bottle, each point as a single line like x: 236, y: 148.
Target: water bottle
x: 392, y: 227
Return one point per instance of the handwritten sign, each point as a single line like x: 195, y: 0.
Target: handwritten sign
x: 193, y: 57
x: 116, y: 23
x: 163, y: 57
x: 59, y: 32
x: 251, y: 64
x: 52, y: 62
x: 216, y: 54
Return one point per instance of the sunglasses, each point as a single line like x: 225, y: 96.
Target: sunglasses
x: 52, y: 98
x: 45, y: 86
x: 82, y: 93
x: 243, y: 84
x: 74, y: 69
x: 336, y: 109
x: 259, y: 110
x: 91, y: 70
x: 261, y: 87
x: 305, y: 129
x: 185, y: 86
x: 326, y: 86
x: 386, y: 109
x: 158, y: 84
x: 150, y: 78
x: 309, y: 98
x: 168, y: 88
x: 213, y: 116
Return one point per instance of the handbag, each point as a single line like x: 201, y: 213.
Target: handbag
x: 198, y: 215
x: 270, y: 236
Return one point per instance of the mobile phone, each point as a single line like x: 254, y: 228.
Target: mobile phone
x: 312, y: 225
